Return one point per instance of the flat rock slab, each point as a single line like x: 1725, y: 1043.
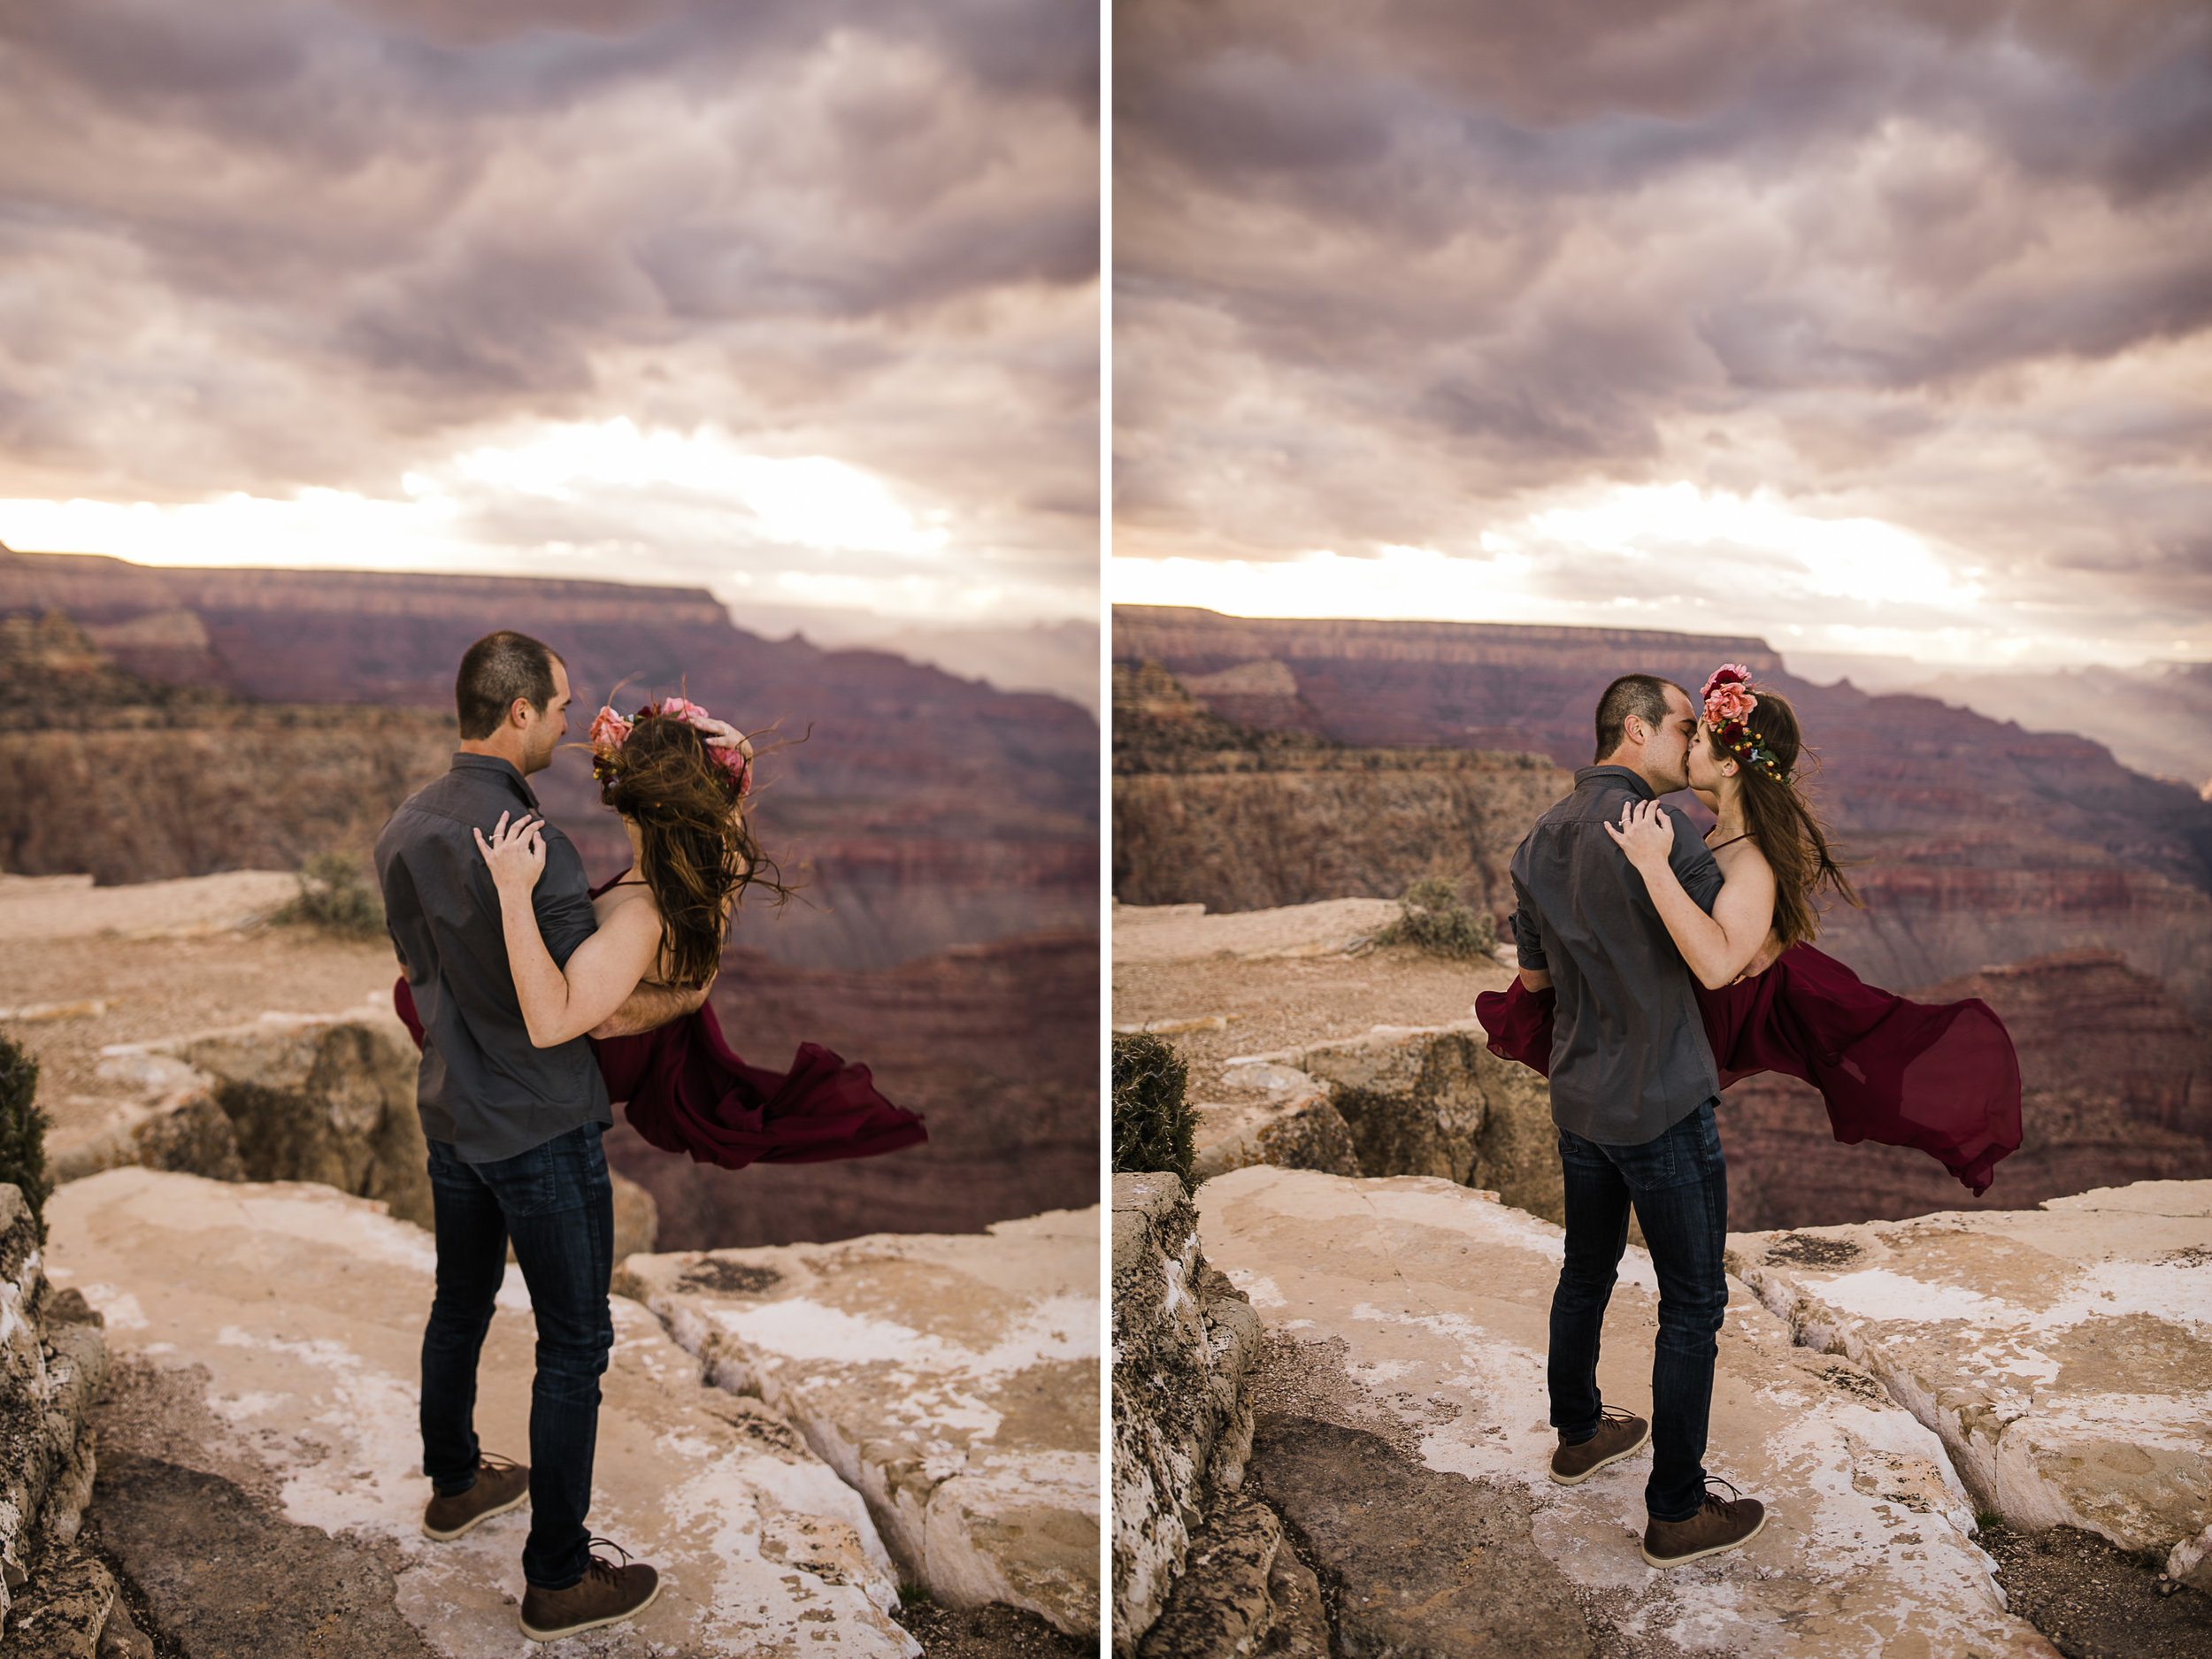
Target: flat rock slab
x: 1420, y: 1313
x: 1184, y: 932
x: 953, y: 1378
x: 2064, y: 1354
x: 290, y: 1317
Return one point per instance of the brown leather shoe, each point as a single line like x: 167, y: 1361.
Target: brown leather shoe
x: 606, y: 1594
x: 1719, y: 1525
x: 500, y: 1486
x: 1621, y: 1435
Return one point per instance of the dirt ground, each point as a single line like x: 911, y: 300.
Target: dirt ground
x: 81, y: 967
x: 1180, y: 973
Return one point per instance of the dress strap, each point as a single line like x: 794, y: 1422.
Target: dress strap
x: 1730, y: 841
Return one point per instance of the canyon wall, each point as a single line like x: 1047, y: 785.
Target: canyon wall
x: 161, y: 722
x: 1977, y: 841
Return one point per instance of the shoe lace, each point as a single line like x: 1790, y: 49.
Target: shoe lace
x: 1616, y: 1414
x: 599, y: 1566
x: 493, y: 1463
x: 1713, y: 1500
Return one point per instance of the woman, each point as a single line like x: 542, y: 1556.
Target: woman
x: 1942, y: 1077
x: 662, y: 921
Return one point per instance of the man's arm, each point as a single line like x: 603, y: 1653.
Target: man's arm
x: 1528, y: 942
x: 650, y: 1007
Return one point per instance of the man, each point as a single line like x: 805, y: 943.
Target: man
x: 1633, y: 1089
x: 514, y: 1141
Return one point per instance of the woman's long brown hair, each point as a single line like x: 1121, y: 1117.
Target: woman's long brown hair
x: 1783, y: 825
x: 696, y: 851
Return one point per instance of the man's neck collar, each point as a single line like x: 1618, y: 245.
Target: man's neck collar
x: 1616, y: 769
x: 477, y: 760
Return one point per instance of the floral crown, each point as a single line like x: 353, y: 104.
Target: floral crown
x: 610, y: 731
x: 1729, y: 704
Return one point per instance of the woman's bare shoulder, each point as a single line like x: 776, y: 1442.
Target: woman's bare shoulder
x: 1741, y: 858
x: 625, y: 896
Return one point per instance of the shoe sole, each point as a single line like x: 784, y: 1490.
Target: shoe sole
x: 515, y: 1502
x: 590, y: 1624
x: 1651, y: 1560
x: 1559, y: 1479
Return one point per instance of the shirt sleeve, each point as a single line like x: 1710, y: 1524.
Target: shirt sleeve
x: 1528, y: 935
x: 1694, y: 865
x: 562, y: 901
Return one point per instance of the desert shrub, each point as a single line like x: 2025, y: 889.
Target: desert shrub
x: 1154, y: 1127
x: 1431, y: 917
x: 333, y: 895
x: 23, y: 1130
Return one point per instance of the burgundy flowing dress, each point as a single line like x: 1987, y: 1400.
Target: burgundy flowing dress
x: 1941, y: 1077
x: 684, y: 1090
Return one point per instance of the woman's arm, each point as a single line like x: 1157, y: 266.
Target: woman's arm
x: 557, y: 1005
x: 1718, y: 947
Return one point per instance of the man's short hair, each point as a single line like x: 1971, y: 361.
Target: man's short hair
x: 497, y: 670
x: 1643, y: 695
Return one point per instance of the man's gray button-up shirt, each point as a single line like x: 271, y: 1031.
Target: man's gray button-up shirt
x: 1629, y: 1056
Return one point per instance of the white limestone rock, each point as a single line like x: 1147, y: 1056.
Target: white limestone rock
x: 951, y: 1379
x: 300, y: 1310
x: 1429, y: 1307
x: 2064, y: 1354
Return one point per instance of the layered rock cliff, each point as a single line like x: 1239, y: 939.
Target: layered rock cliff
x: 924, y: 810
x: 1238, y: 818
x: 1980, y: 842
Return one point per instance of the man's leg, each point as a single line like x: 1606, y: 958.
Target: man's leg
x: 1597, y: 1233
x: 559, y: 1208
x: 471, y: 1258
x: 1681, y: 1186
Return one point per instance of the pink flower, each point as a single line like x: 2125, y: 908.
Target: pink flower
x: 608, y: 730
x: 1728, y: 695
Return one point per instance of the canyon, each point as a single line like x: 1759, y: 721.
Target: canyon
x: 159, y: 725
x: 1974, y: 842
x: 922, y: 811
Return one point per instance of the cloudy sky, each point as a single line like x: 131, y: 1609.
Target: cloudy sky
x: 1872, y: 328
x: 795, y: 298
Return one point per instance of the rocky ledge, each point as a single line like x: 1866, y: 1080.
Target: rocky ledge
x: 950, y: 1379
x: 2063, y: 1354
x: 1402, y: 1438
x: 260, y: 1478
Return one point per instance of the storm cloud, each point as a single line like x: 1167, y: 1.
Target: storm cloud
x: 266, y: 250
x: 1481, y: 279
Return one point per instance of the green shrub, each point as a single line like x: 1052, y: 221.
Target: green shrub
x: 1155, y: 1128
x: 1431, y: 917
x: 23, y: 1130
x: 335, y: 896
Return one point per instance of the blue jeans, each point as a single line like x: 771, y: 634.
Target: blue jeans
x: 1678, y: 1184
x: 557, y: 1205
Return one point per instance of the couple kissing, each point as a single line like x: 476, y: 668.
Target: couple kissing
x: 1658, y: 966
x: 539, y: 1002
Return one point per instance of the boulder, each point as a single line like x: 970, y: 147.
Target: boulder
x: 1183, y: 1340
x: 1414, y: 1101
x: 950, y: 1379
x: 1411, y: 1459
x: 267, y: 1337
x: 293, y: 1097
x: 2063, y: 1354
x: 1294, y: 1127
